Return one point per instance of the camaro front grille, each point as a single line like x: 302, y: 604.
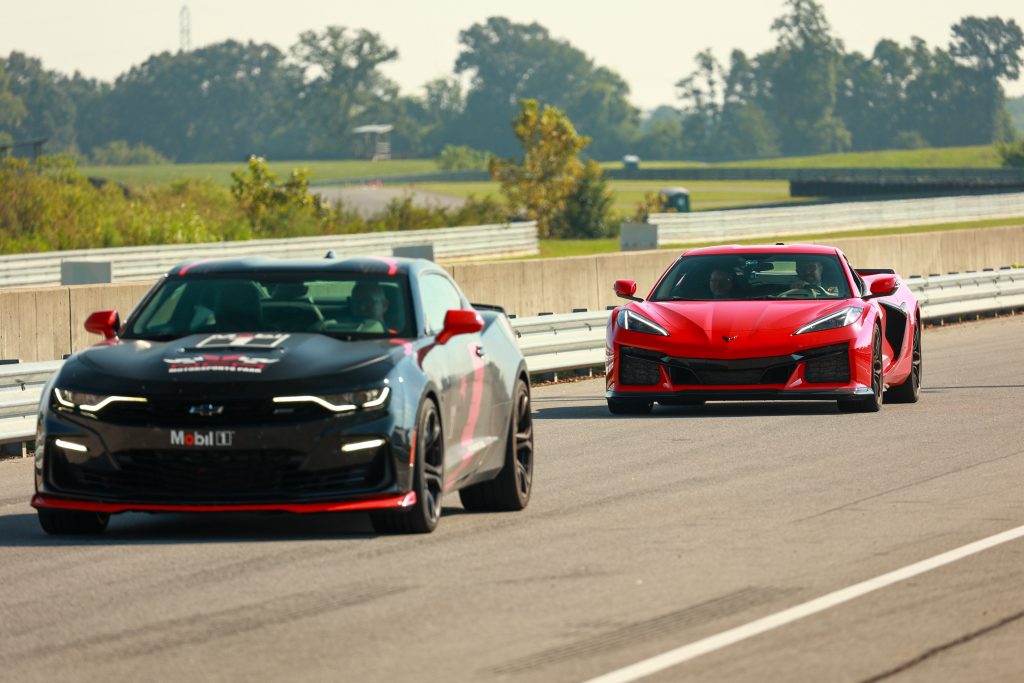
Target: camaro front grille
x: 216, y: 474
x: 177, y: 412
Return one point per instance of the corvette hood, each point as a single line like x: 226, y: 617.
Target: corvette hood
x: 737, y: 328
x: 232, y: 363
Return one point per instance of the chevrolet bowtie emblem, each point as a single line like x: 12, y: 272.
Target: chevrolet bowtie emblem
x: 729, y: 339
x: 206, y: 410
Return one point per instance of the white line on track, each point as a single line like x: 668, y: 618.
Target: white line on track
x: 724, y: 639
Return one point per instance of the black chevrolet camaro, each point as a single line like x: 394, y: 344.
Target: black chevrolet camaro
x: 302, y: 386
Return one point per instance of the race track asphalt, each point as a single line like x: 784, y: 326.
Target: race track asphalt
x: 645, y: 534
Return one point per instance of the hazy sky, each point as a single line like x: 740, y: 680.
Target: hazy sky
x: 651, y: 43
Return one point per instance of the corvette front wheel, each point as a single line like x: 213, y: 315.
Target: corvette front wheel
x: 910, y: 391
x: 873, y: 403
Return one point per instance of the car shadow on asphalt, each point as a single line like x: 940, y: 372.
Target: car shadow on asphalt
x: 599, y: 410
x: 23, y: 530
x: 139, y: 528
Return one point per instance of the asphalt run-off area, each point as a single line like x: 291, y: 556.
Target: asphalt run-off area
x: 734, y: 542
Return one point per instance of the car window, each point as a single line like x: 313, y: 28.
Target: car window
x: 742, y: 277
x: 439, y: 297
x: 355, y: 305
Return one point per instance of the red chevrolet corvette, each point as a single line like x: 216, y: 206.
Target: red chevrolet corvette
x: 790, y: 322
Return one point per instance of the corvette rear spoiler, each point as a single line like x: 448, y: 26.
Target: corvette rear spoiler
x: 489, y: 307
x: 874, y: 271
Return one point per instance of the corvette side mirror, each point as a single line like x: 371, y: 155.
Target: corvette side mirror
x: 883, y: 286
x: 104, y: 323
x: 626, y: 289
x: 460, y: 321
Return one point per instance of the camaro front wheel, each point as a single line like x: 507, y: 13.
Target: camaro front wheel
x: 428, y: 480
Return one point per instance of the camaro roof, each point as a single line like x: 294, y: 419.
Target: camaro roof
x: 762, y: 249
x: 267, y: 264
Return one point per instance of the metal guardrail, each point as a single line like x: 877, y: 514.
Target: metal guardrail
x: 135, y: 263
x: 723, y: 226
x: 557, y: 343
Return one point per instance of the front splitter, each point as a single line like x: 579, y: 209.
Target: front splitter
x: 403, y: 501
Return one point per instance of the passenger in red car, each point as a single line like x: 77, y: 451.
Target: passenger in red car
x: 721, y: 283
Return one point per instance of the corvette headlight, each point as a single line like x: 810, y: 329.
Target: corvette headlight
x: 634, y: 322
x: 343, y: 402
x: 89, y: 403
x: 832, y: 321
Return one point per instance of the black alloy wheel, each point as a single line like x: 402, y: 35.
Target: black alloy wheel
x: 68, y: 522
x: 428, y: 480
x: 910, y: 390
x: 873, y: 403
x: 629, y: 406
x: 510, y: 490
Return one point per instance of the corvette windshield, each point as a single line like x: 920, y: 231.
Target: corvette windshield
x: 350, y: 306
x: 750, y: 277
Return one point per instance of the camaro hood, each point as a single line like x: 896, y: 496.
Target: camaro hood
x: 709, y: 328
x: 230, y: 363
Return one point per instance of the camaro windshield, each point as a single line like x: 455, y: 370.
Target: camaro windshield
x: 749, y: 277
x: 345, y: 305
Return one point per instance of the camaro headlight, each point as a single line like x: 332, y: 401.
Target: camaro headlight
x: 634, y: 322
x: 89, y: 403
x: 832, y: 321
x: 343, y: 402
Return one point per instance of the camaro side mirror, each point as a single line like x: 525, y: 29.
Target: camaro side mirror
x: 105, y: 323
x: 460, y: 321
x: 883, y: 285
x: 626, y: 289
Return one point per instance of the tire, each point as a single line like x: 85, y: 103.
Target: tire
x: 873, y: 403
x: 428, y: 480
x: 510, y: 490
x: 629, y: 406
x: 72, y: 522
x: 910, y: 390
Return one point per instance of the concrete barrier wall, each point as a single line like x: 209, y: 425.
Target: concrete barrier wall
x: 46, y: 323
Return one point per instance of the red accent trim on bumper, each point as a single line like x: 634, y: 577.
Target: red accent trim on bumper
x: 379, y: 503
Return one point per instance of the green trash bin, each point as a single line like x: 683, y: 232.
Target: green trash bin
x: 675, y: 199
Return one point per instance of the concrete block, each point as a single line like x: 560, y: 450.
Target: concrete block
x: 85, y: 272
x: 637, y: 236
x: 425, y: 251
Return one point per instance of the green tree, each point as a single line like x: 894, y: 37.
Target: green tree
x: 989, y: 50
x: 509, y: 62
x: 12, y: 109
x: 271, y: 205
x: 221, y: 102
x: 120, y: 153
x: 803, y: 77
x: 344, y: 84
x: 48, y: 111
x: 460, y: 158
x: 588, y: 208
x: 541, y: 183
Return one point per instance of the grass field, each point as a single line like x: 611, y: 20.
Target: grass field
x: 628, y: 193
x: 220, y: 173
x: 979, y: 156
